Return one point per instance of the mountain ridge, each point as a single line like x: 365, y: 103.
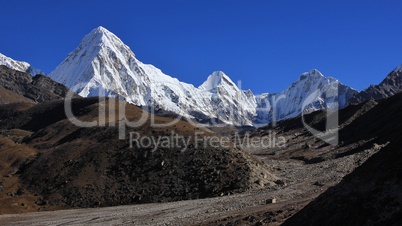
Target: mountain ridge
x: 19, y: 65
x: 103, y: 61
x: 109, y: 64
x: 102, y: 65
x: 21, y: 87
x: 391, y: 85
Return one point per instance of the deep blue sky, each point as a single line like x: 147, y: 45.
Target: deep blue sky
x: 266, y: 44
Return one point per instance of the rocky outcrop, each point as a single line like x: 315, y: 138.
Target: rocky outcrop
x: 390, y: 86
x: 16, y: 86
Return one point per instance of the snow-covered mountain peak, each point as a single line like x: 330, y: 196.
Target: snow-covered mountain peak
x: 101, y: 35
x: 101, y: 38
x: 86, y: 64
x: 19, y: 65
x: 99, y: 32
x: 313, y: 74
x: 101, y: 29
x: 102, y: 62
x: 326, y: 93
x: 217, y: 79
x: 103, y: 65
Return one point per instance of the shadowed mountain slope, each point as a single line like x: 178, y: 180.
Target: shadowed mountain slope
x: 371, y: 195
x: 71, y: 166
x: 16, y: 86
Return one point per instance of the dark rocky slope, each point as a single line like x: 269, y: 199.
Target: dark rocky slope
x: 89, y: 167
x: 390, y: 86
x: 371, y: 195
x: 16, y: 86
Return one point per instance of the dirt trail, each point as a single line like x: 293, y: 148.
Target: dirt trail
x: 304, y: 182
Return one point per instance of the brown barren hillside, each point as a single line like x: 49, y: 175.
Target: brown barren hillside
x: 70, y: 166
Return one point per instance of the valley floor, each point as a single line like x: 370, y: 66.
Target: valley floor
x: 304, y: 182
